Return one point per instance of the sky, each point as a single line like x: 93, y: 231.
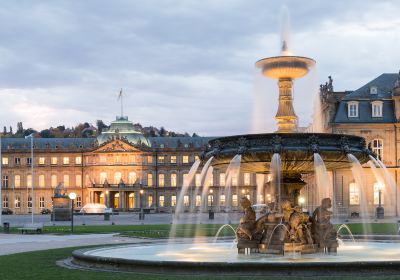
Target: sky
x: 185, y: 65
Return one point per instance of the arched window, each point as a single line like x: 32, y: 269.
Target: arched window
x: 173, y: 180
x: 103, y: 177
x: 117, y: 177
x: 53, y: 181
x: 161, y: 180
x: 354, y: 194
x: 150, y: 179
x: 41, y: 181
x: 377, y: 148
x: 132, y: 178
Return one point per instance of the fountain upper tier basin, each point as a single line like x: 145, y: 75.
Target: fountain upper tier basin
x: 292, y: 67
x: 295, y: 149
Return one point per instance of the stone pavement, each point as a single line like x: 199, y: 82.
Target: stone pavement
x: 17, y: 243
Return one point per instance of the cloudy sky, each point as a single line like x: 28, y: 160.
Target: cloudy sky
x: 185, y: 65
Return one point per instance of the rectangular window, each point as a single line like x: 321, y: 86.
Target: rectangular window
x: 29, y: 202
x: 173, y: 200
x: 66, y: 160
x: 221, y: 179
x: 103, y: 177
x: 185, y: 159
x: 41, y: 181
x: 173, y: 159
x: 210, y: 200
x: 78, y: 180
x: 4, y: 160
x: 222, y: 201
x: 173, y: 180
x: 53, y: 160
x: 161, y: 159
x: 5, y: 181
x: 198, y: 200
x: 28, y: 161
x: 29, y: 181
x: 161, y: 201
x: 78, y: 160
x: 161, y: 181
x: 185, y: 179
x: 234, y: 180
x: 41, y: 161
x: 41, y: 202
x: 246, y: 179
x: 149, y: 159
x: 354, y: 194
x: 353, y: 110
x: 150, y: 200
x: 17, y: 181
x: 53, y: 181
x: 198, y: 180
x: 17, y: 161
x: 235, y: 200
x: 5, y: 201
x: 186, y: 201
x: 150, y: 180
x: 17, y: 202
x: 78, y: 201
x: 66, y: 180
x: 211, y: 180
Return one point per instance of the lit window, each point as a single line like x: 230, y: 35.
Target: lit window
x: 131, y: 200
x: 78, y: 160
x: 17, y: 181
x: 161, y: 181
x: 173, y: 159
x: 17, y: 202
x: 198, y: 180
x: 353, y: 109
x: 132, y: 178
x: 41, y: 202
x: 210, y: 200
x: 150, y: 200
x: 53, y: 181
x: 222, y: 200
x: 185, y: 179
x: 246, y: 179
x: 234, y: 180
x: 211, y: 180
x: 161, y: 159
x: 161, y: 201
x: 377, y: 109
x: 78, y: 201
x: 66, y: 160
x: 4, y: 160
x: 185, y: 159
x: 29, y: 181
x: 29, y: 202
x: 103, y: 177
x: 354, y: 194
x: 78, y: 180
x: 66, y: 180
x: 377, y: 187
x: 235, y: 200
x: 173, y: 200
x: 5, y: 201
x: 150, y: 180
x: 41, y: 181
x: 41, y: 161
x: 53, y: 160
x: 198, y: 200
x: 222, y: 179
x: 149, y: 159
x: 117, y: 177
x: 173, y: 180
x: 377, y: 148
x: 5, y: 181
x: 186, y: 201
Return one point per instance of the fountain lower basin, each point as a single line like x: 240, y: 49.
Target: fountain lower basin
x: 220, y: 258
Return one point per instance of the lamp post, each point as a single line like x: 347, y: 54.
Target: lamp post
x: 32, y: 177
x: 380, y: 211
x: 72, y: 196
x: 141, y: 214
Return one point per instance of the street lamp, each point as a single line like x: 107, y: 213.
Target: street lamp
x: 72, y: 196
x: 32, y: 178
x: 380, y: 211
x: 141, y: 215
x: 301, y: 202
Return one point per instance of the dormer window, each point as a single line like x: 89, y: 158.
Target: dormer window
x: 377, y: 109
x: 352, y: 109
x: 373, y: 90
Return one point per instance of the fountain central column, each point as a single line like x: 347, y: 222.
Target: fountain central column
x: 286, y: 117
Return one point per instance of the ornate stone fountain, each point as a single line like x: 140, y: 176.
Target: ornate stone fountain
x: 286, y: 228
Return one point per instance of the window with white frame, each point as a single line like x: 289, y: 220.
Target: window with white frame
x: 78, y: 201
x: 173, y: 200
x: 222, y: 200
x: 54, y: 160
x: 352, y: 109
x: 161, y: 180
x: 354, y: 194
x: 186, y: 201
x: 17, y: 181
x: 17, y: 202
x: 66, y: 160
x: 41, y: 202
x: 5, y: 201
x: 78, y: 160
x: 210, y: 200
x: 198, y: 200
x: 4, y: 160
x: 29, y: 201
x: 173, y: 159
x: 377, y: 109
x: 17, y: 161
x: 5, y: 181
x: 235, y: 200
x: 42, y: 161
x: 161, y: 159
x: 173, y: 179
x: 378, y: 187
x: 161, y: 201
x: 28, y: 161
x: 149, y: 179
x: 185, y: 159
x: 377, y: 148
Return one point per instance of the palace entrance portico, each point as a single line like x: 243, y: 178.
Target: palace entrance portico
x: 121, y: 197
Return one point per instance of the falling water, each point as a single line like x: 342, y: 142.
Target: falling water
x: 202, y: 176
x: 231, y: 172
x: 276, y: 179
x: 206, y: 185
x: 346, y: 227
x: 221, y: 228
x: 359, y: 177
x: 322, y: 181
x: 260, y: 179
x: 390, y: 184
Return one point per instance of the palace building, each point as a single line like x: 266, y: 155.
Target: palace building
x: 113, y: 168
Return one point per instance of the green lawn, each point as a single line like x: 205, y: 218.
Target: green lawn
x: 41, y: 265
x: 372, y: 228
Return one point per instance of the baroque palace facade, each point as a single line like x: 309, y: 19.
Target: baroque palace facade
x: 114, y: 167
